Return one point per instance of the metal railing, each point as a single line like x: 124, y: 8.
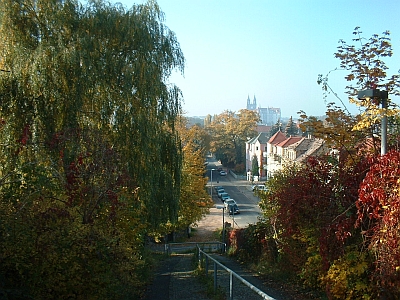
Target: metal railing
x: 231, y: 275
x: 192, y: 246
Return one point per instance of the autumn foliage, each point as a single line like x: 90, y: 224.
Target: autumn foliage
x: 379, y: 218
x: 335, y: 219
x: 332, y: 226
x: 332, y: 222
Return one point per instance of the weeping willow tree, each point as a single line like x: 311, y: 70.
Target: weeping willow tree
x: 88, y: 140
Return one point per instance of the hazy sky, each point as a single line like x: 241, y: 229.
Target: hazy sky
x: 273, y: 50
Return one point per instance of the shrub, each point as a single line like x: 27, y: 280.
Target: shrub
x: 347, y: 278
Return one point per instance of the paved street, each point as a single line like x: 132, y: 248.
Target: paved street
x: 239, y: 190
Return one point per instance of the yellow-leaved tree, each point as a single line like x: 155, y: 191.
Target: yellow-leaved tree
x: 229, y: 132
x: 194, y: 201
x: 367, y: 69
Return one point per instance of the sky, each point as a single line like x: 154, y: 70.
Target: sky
x: 270, y: 50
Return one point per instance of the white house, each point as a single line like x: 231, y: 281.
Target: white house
x: 256, y: 146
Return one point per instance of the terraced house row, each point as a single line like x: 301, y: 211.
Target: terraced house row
x: 272, y: 153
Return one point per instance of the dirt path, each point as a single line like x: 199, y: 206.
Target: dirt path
x: 205, y: 231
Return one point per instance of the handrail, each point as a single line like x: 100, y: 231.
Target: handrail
x: 232, y: 273
x: 168, y: 247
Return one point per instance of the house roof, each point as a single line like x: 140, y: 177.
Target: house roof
x: 289, y: 141
x: 251, y: 141
x: 313, y: 149
x: 277, y: 138
x: 301, y: 146
x: 261, y: 138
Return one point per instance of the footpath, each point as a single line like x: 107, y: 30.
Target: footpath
x: 175, y: 279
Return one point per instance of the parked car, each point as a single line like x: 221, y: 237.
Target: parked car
x: 259, y: 187
x: 225, y: 196
x: 228, y: 202
x: 233, y: 209
x: 221, y: 191
x: 218, y: 187
x: 222, y: 173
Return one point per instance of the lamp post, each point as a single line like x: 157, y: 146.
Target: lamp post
x: 382, y: 96
x: 233, y: 217
x: 223, y: 222
x: 212, y: 184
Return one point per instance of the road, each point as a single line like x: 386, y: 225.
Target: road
x: 240, y: 191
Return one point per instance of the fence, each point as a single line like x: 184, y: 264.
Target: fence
x: 192, y: 246
x: 231, y: 275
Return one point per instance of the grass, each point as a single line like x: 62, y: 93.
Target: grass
x: 208, y: 282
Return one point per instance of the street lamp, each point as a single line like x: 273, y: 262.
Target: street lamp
x: 212, y: 184
x: 382, y: 96
x: 233, y: 216
x: 223, y: 222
